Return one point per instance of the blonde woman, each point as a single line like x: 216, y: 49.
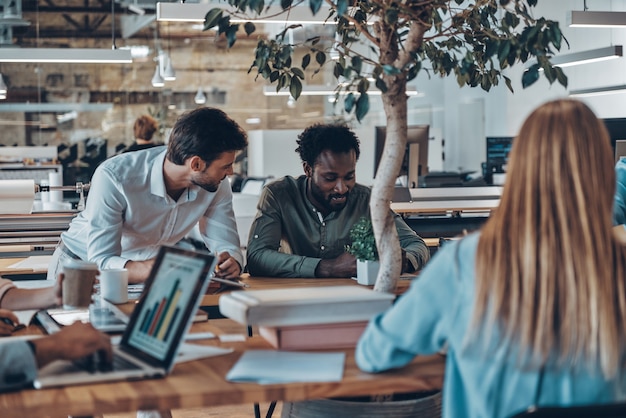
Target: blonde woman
x: 532, y: 310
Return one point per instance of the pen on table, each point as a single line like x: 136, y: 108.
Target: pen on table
x: 230, y: 282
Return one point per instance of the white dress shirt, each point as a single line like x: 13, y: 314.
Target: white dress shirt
x: 129, y: 214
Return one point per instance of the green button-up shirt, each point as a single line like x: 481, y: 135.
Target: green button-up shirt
x: 288, y: 237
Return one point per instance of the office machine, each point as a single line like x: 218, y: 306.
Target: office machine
x: 415, y: 161
x: 498, y: 149
x: 448, y: 211
x: 24, y: 234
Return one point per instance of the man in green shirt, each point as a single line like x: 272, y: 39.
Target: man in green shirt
x: 303, y: 224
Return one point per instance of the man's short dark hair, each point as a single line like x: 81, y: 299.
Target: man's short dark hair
x: 317, y: 138
x: 206, y: 132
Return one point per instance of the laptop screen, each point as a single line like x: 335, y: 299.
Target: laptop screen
x: 177, y: 280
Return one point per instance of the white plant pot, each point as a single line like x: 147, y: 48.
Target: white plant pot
x: 366, y: 272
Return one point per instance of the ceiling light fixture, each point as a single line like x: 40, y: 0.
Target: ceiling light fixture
x: 598, y: 91
x: 587, y: 57
x: 168, y: 70
x: 328, y: 91
x: 66, y: 55
x: 157, y: 80
x: 200, y: 98
x: 587, y: 19
x: 195, y: 12
x: 70, y: 55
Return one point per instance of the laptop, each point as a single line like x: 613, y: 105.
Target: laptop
x: 156, y: 328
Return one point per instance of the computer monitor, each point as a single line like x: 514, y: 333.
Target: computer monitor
x: 415, y: 161
x: 617, y: 132
x: 498, y: 148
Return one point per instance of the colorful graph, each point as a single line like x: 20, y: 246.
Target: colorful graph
x: 159, y: 319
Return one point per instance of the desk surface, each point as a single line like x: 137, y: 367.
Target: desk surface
x: 202, y: 383
x: 261, y: 283
x: 6, y: 262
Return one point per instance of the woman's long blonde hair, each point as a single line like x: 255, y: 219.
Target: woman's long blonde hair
x: 550, y: 271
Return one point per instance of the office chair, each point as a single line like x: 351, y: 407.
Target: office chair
x: 611, y: 410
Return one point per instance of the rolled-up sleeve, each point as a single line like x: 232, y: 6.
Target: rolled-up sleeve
x: 418, y: 323
x: 5, y: 286
x: 416, y: 249
x: 218, y: 226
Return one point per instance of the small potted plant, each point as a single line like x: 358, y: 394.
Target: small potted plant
x: 363, y: 247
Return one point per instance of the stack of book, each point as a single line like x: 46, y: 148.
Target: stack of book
x: 307, y: 317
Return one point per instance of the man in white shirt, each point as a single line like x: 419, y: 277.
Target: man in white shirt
x: 141, y: 200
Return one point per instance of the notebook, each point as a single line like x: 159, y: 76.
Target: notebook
x: 156, y: 328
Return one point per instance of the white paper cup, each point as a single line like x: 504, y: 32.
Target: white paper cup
x: 78, y: 283
x: 114, y: 285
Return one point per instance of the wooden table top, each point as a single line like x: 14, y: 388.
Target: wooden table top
x: 261, y: 283
x: 202, y: 383
x: 6, y: 262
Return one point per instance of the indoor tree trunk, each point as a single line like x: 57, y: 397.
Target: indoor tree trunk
x: 389, y: 251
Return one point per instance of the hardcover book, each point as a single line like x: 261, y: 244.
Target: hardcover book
x: 304, y: 305
x: 316, y: 336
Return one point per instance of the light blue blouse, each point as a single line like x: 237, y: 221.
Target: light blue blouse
x: 435, y: 314
x: 619, y: 203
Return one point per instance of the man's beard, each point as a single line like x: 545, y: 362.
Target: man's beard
x: 327, y: 202
x: 209, y: 187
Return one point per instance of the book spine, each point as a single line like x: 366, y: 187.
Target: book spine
x: 303, y: 314
x: 234, y: 309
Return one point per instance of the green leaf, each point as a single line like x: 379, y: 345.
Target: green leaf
x: 298, y: 72
x: 391, y: 16
x: 306, y: 60
x: 560, y: 76
x: 363, y: 85
x: 274, y: 76
x: 503, y: 51
x: 249, y: 28
x: 295, y: 88
x: 507, y: 81
x: 380, y: 85
x: 231, y: 35
x: 338, y: 70
x: 390, y: 69
x: 348, y: 102
x: 285, y: 4
x: 557, y: 35
x: 256, y: 5
x: 315, y: 5
x: 357, y: 64
x: 342, y: 7
x: 530, y: 76
x: 320, y: 57
x: 362, y: 106
x: 212, y: 18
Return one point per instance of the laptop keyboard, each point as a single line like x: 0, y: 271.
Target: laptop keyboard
x: 92, y: 364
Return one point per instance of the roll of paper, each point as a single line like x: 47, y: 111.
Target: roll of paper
x: 55, y: 179
x: 17, y: 196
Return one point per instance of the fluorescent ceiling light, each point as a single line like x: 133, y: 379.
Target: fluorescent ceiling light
x: 588, y: 19
x: 66, y: 55
x: 327, y: 91
x: 598, y: 91
x: 586, y: 57
x: 55, y: 107
x: 195, y: 12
